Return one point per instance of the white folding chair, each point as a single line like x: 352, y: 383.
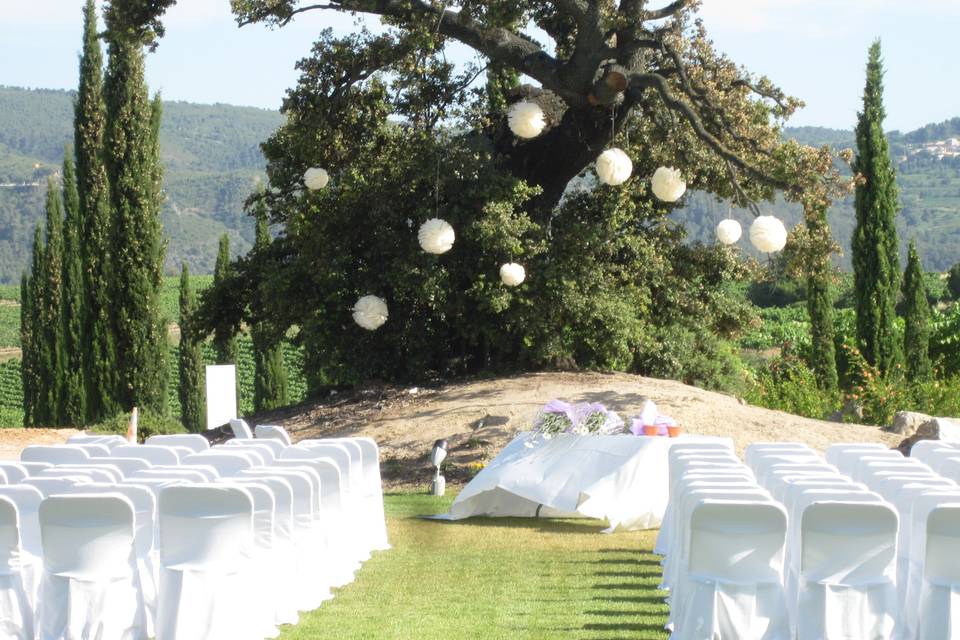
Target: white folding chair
x: 96, y: 450
x: 373, y: 488
x: 209, y: 472
x: 55, y: 454
x: 272, y: 432
x: 241, y: 430
x: 90, y: 586
x: 193, y: 441
x: 110, y: 440
x: 259, y: 456
x: 153, y: 454
x: 226, y: 463
x: 732, y: 584
x: 128, y: 466
x: 205, y: 544
x: 847, y: 571
x: 16, y: 577
x: 921, y: 448
x: 187, y: 475
x: 275, y: 446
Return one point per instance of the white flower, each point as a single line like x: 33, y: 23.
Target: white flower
x: 526, y: 119
x: 729, y: 231
x: 614, y: 167
x: 768, y: 234
x: 436, y: 236
x: 315, y: 178
x: 370, y: 312
x: 668, y: 184
x: 512, y: 274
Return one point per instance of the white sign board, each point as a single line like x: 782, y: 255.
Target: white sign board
x: 221, y: 394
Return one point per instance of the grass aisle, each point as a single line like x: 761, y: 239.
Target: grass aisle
x: 495, y: 578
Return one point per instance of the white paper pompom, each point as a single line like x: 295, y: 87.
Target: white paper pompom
x: 667, y: 184
x: 768, y: 234
x: 315, y: 178
x: 526, y: 119
x: 370, y: 312
x: 614, y: 167
x: 512, y: 274
x: 729, y: 231
x: 436, y: 236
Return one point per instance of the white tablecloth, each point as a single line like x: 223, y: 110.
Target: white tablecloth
x: 622, y: 479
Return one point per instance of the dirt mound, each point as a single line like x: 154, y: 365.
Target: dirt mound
x: 12, y: 441
x: 479, y: 417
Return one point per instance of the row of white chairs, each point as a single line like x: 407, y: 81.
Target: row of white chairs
x: 103, y: 539
x: 923, y: 489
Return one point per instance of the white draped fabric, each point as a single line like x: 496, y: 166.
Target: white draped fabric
x: 622, y: 479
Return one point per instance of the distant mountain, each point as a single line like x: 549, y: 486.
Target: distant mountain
x: 211, y: 157
x: 928, y: 173
x: 213, y: 162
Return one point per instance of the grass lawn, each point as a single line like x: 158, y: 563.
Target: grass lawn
x: 495, y: 578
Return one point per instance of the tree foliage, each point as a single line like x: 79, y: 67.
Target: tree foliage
x: 190, y: 362
x: 876, y: 263
x: 270, y: 374
x: 73, y: 392
x: 224, y: 339
x: 820, y: 309
x: 916, y: 336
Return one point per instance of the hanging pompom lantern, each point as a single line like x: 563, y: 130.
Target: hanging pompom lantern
x: 436, y: 236
x: 729, y: 231
x: 512, y: 274
x: 370, y: 312
x: 667, y: 184
x: 315, y: 178
x: 526, y: 119
x: 768, y: 234
x: 614, y: 167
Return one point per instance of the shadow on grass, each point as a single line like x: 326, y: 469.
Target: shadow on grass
x: 544, y: 525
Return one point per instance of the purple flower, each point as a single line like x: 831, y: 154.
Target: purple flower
x: 636, y: 426
x: 559, y: 407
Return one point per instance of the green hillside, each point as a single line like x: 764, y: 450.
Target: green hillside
x: 929, y: 193
x: 211, y: 157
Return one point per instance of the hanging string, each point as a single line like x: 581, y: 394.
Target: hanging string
x: 436, y: 188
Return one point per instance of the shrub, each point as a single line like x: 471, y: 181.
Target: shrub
x: 788, y: 384
x: 953, y: 281
x: 693, y: 357
x: 149, y: 424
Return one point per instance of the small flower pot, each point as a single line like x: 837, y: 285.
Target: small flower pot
x: 650, y: 430
x: 673, y: 432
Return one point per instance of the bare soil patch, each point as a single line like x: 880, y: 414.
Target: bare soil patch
x: 13, y: 441
x: 479, y: 417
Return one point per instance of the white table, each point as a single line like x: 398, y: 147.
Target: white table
x: 622, y: 479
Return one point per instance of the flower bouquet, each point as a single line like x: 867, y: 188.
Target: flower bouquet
x: 584, y: 418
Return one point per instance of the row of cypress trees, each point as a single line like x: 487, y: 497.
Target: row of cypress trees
x: 93, y: 341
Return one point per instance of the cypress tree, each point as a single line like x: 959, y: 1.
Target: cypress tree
x: 131, y: 158
x: 27, y: 365
x: 73, y: 395
x: 89, y: 122
x: 820, y: 309
x: 50, y: 334
x: 876, y: 263
x: 270, y: 375
x: 40, y: 387
x: 916, y: 337
x: 225, y: 344
x: 190, y: 361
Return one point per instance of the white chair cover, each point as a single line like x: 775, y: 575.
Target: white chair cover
x: 95, y: 450
x: 835, y: 450
x: 258, y: 457
x: 275, y: 446
x: 188, y: 475
x: 373, y: 488
x: 205, y: 543
x: 90, y: 586
x: 732, y: 585
x: 109, y: 440
x: 273, y: 432
x: 207, y: 471
x: 33, y: 468
x: 17, y: 575
x: 53, y: 486
x: 920, y: 448
x: 263, y: 451
x: 129, y: 466
x: 91, y: 473
x: 55, y: 454
x: 241, y: 430
x: 153, y: 454
x: 846, y: 586
x: 193, y: 441
x: 226, y: 463
x: 939, y: 606
x: 13, y: 472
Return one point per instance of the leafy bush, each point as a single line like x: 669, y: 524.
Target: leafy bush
x: 694, y: 357
x: 148, y: 424
x: 788, y: 384
x: 953, y: 281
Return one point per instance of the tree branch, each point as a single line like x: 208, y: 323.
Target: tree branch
x: 671, y: 9
x: 641, y: 81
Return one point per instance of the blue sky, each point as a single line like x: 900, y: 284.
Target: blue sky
x: 814, y: 49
